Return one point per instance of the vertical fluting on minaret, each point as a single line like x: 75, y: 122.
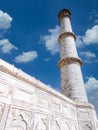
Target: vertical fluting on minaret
x: 72, y: 84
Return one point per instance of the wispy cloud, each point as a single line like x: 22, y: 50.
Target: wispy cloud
x: 94, y: 16
x: 96, y: 20
x: 46, y: 59
x: 88, y: 54
x: 6, y: 46
x: 79, y: 41
x: 90, y: 61
x: 5, y: 20
x: 88, y: 57
x: 92, y: 91
x: 26, y: 57
x: 51, y: 40
x: 87, y: 61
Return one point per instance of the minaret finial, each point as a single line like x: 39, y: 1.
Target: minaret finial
x: 64, y: 12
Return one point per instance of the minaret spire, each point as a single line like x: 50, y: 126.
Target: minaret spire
x: 72, y: 84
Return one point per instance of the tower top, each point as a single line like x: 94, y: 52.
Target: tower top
x: 64, y: 12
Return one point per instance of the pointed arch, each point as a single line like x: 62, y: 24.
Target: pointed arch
x: 87, y: 127
x: 57, y: 126
x: 64, y: 125
x: 40, y: 125
x: 73, y: 127
x: 18, y: 123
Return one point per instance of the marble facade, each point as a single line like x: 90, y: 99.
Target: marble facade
x: 23, y: 106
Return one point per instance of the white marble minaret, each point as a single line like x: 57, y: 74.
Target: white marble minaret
x: 70, y: 64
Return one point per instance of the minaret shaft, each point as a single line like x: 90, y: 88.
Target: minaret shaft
x: 65, y: 25
x: 68, y: 49
x: 72, y: 84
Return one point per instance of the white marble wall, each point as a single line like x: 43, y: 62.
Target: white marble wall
x: 28, y: 104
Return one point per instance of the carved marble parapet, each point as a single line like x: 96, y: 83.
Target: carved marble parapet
x: 66, y: 34
x: 69, y: 60
x: 63, y: 13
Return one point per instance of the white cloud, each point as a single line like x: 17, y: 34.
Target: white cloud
x: 5, y: 20
x: 91, y: 84
x: 51, y: 40
x: 5, y: 23
x: 92, y: 91
x: 26, y: 57
x: 6, y: 46
x: 91, y: 36
x: 88, y: 54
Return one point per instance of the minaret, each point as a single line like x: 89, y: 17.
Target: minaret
x: 72, y: 84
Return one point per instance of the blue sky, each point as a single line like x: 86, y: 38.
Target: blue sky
x: 28, y: 39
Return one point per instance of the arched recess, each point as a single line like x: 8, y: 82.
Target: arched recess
x: 57, y: 127
x: 18, y: 124
x: 40, y: 125
x: 73, y: 127
x: 87, y: 127
x: 64, y: 126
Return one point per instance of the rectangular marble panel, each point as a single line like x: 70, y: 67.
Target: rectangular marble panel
x: 55, y: 106
x: 42, y: 102
x: 1, y: 110
x: 14, y: 128
x: 4, y: 88
x: 84, y: 116
x: 23, y: 95
x: 65, y: 109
